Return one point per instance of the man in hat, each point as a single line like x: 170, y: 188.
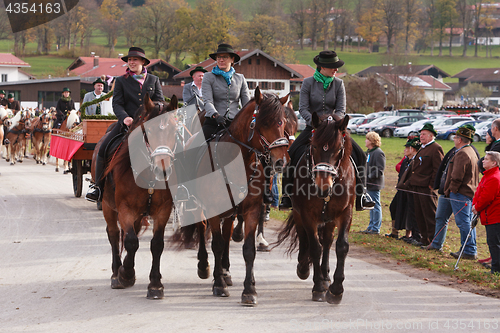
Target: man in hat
x: 3, y: 100
x: 424, y: 168
x: 12, y: 104
x: 191, y: 94
x: 462, y: 178
x: 128, y: 96
x: 64, y: 105
x: 324, y: 94
x: 94, y: 109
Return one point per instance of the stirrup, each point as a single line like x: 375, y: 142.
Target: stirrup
x: 182, y: 193
x: 286, y: 203
x: 191, y: 204
x: 366, y: 202
x: 94, y: 193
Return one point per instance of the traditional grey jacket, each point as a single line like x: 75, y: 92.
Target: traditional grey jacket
x: 221, y: 98
x: 191, y: 94
x: 375, y: 165
x: 314, y: 98
x: 89, y: 97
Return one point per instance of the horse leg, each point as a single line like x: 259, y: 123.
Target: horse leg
x: 126, y: 273
x: 203, y: 264
x: 57, y: 164
x: 227, y: 229
x: 326, y: 242
x: 249, y: 295
x: 114, y: 236
x: 319, y: 289
x: 219, y: 287
x: 155, y: 287
x: 238, y: 230
x: 263, y: 245
x: 335, y: 291
x: 304, y: 260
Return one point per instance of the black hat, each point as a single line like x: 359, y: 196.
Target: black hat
x: 136, y: 52
x: 328, y: 59
x: 429, y: 127
x: 225, y: 48
x: 197, y: 69
x: 467, y: 131
x: 489, y: 132
x: 9, y: 96
x: 99, y: 80
x: 415, y: 143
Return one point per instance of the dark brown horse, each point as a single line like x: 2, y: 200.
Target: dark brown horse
x: 258, y: 132
x: 16, y: 136
x: 136, y: 186
x: 325, y: 177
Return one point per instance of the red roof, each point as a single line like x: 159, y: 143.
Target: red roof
x: 8, y: 59
x: 304, y: 70
x: 107, y: 66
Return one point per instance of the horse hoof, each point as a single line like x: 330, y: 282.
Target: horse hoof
x: 318, y: 296
x: 115, y: 283
x: 57, y: 170
x: 326, y: 284
x: 220, y: 292
x: 155, y: 293
x: 302, y: 275
x: 204, y: 273
x: 263, y: 248
x: 65, y: 172
x: 249, y: 300
x: 44, y: 163
x: 126, y: 283
x: 20, y: 161
x: 333, y: 299
x: 12, y: 163
x: 238, y: 236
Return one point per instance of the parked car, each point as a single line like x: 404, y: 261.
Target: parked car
x: 409, y: 112
x: 481, y: 130
x: 483, y: 115
x: 412, y: 130
x: 386, y: 129
x: 445, y: 122
x: 436, y: 114
x: 380, y: 114
x: 301, y: 122
x: 448, y: 132
x: 356, y: 115
x: 353, y: 124
x: 363, y: 129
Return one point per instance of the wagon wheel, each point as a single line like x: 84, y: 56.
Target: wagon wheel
x: 77, y: 171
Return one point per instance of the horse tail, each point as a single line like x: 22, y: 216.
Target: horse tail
x: 288, y: 233
x: 186, y: 237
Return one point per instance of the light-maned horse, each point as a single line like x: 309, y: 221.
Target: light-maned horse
x: 16, y: 137
x: 125, y: 203
x: 258, y: 130
x: 326, y: 174
x: 72, y: 120
x: 4, y: 121
x: 40, y: 137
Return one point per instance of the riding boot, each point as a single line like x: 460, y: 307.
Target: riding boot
x: 287, y: 188
x: 94, y: 193
x: 363, y: 199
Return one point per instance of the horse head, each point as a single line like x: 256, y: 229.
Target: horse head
x: 292, y: 125
x: 4, y: 117
x: 329, y: 148
x: 44, y: 122
x: 269, y: 123
x: 159, y: 131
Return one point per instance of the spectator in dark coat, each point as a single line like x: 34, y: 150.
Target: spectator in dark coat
x: 375, y: 166
x: 64, y: 106
x: 495, y: 145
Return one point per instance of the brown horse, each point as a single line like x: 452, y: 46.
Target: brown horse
x: 40, y: 137
x: 4, y: 121
x: 16, y: 137
x: 258, y: 132
x: 326, y: 175
x: 132, y: 192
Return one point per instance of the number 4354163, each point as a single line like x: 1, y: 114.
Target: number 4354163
x: 47, y: 8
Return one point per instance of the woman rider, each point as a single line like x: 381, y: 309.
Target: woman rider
x: 323, y: 93
x: 224, y: 92
x: 128, y: 96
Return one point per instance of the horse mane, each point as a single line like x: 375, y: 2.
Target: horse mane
x: 121, y: 160
x: 15, y: 120
x: 3, y: 113
x: 328, y: 133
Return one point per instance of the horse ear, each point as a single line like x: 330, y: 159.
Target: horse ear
x: 315, y: 120
x: 174, y: 103
x: 258, y: 95
x: 343, y: 122
x: 284, y: 99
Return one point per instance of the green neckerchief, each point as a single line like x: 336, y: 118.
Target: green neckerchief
x: 326, y: 80
x: 66, y: 99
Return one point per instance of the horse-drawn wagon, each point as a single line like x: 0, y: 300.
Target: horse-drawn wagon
x: 77, y: 145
